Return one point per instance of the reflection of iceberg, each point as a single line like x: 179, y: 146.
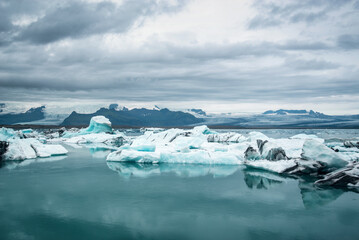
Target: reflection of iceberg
x: 261, y: 179
x: 313, y: 196
x: 99, y: 152
x: 16, y: 164
x: 128, y: 169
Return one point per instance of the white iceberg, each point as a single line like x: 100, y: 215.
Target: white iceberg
x: 99, y: 131
x: 8, y: 133
x: 344, y: 177
x: 98, y: 124
x: 279, y: 166
x: 167, y: 155
x: 105, y: 138
x: 21, y: 149
x: 230, y: 137
x: 254, y: 136
x: 314, y: 150
x: 308, y: 136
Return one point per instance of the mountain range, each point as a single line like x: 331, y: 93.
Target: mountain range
x: 157, y: 117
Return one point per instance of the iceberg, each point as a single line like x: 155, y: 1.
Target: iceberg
x: 98, y: 124
x: 167, y: 156
x: 21, y: 149
x: 99, y: 131
x: 351, y: 144
x: 279, y: 166
x: 314, y: 150
x: 110, y: 139
x: 229, y: 137
x: 306, y: 137
x: 344, y: 177
x: 8, y: 133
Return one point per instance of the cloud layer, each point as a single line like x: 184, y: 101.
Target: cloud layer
x: 248, y: 55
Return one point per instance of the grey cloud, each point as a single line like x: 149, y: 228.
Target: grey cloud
x: 74, y: 19
x: 275, y: 13
x: 310, y: 64
x: 291, y: 70
x: 348, y: 41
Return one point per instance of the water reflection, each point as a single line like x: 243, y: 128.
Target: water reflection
x: 15, y: 164
x: 261, y: 179
x: 312, y: 196
x: 143, y: 170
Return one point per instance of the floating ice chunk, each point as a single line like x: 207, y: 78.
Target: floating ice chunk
x: 161, y: 138
x: 201, y: 157
x: 306, y: 137
x: 254, y: 136
x: 202, y: 130
x: 270, y: 150
x: 98, y: 124
x: 251, y: 154
x: 27, y: 130
x: 47, y: 150
x: 118, y: 138
x: 125, y: 155
x: 344, y: 177
x: 351, y: 144
x: 151, y: 129
x: 226, y: 137
x: 273, y: 166
x: 19, y: 149
x: 165, y: 155
x: 313, y: 150
x: 8, y: 133
x: 182, y: 143
x: 214, y: 147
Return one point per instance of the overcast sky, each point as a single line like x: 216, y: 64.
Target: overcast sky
x: 219, y: 55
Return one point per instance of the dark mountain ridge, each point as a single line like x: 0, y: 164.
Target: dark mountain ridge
x: 32, y: 114
x: 135, y: 117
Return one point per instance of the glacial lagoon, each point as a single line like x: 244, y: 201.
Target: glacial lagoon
x: 81, y: 196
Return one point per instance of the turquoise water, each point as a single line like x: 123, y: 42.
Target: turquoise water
x: 82, y: 197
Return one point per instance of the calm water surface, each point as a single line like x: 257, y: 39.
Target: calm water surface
x: 82, y: 197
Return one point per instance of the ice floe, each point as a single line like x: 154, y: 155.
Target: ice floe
x: 99, y: 131
x: 21, y: 149
x: 313, y: 150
